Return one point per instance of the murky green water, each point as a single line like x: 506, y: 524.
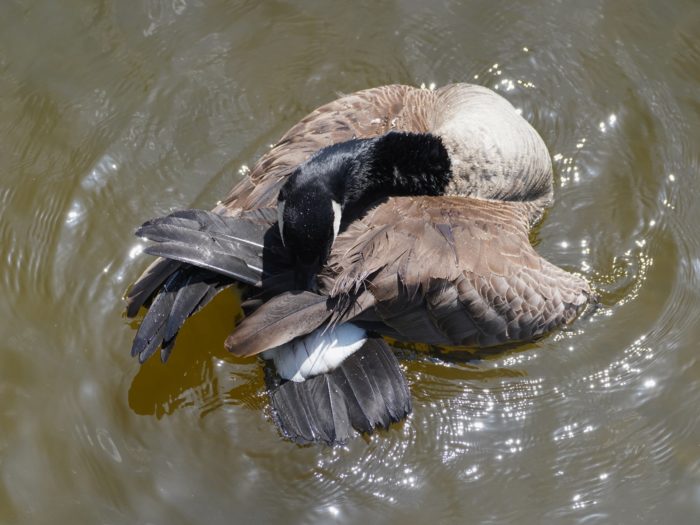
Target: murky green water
x: 112, y: 112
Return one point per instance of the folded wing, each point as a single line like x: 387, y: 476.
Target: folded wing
x: 451, y: 271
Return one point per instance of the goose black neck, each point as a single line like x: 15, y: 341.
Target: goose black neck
x: 339, y: 183
x: 394, y: 164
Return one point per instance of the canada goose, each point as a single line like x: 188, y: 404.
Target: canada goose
x: 447, y: 262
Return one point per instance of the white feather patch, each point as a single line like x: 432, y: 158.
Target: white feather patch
x: 280, y: 220
x: 337, y: 215
x: 317, y: 353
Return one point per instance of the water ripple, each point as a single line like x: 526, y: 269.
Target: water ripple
x: 114, y: 113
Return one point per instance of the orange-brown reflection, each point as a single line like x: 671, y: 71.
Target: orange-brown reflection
x: 159, y: 389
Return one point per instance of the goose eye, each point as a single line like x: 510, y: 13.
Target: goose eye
x: 280, y: 220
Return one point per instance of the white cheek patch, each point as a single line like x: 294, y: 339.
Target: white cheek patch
x: 280, y: 220
x: 319, y: 352
x: 337, y: 215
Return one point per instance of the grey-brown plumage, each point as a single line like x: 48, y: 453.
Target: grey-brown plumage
x: 495, y: 153
x: 451, y: 270
x: 438, y: 270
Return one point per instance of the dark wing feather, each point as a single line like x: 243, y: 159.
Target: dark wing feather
x: 278, y: 321
x: 153, y: 278
x: 225, y: 245
x: 368, y: 390
x: 150, y: 333
x: 220, y: 262
x: 184, y: 293
x: 189, y: 298
x: 250, y: 232
x: 218, y: 249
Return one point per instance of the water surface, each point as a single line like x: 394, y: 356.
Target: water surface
x: 113, y: 112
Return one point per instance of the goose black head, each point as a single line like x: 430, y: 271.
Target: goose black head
x: 309, y: 215
x: 349, y: 177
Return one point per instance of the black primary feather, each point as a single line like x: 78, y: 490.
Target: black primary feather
x: 150, y: 334
x: 204, y: 253
x: 368, y: 390
x: 188, y: 299
x: 226, y: 245
x: 216, y: 261
x: 186, y: 291
x: 154, y: 277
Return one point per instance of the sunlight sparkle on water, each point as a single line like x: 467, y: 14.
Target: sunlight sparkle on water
x: 98, y: 177
x: 135, y: 251
x: 508, y: 83
x: 75, y: 213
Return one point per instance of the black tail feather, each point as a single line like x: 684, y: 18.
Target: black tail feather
x: 368, y: 390
x: 302, y: 421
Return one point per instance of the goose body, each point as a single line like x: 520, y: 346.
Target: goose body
x: 452, y: 266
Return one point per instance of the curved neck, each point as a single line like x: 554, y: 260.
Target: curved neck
x: 340, y: 182
x: 393, y: 164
